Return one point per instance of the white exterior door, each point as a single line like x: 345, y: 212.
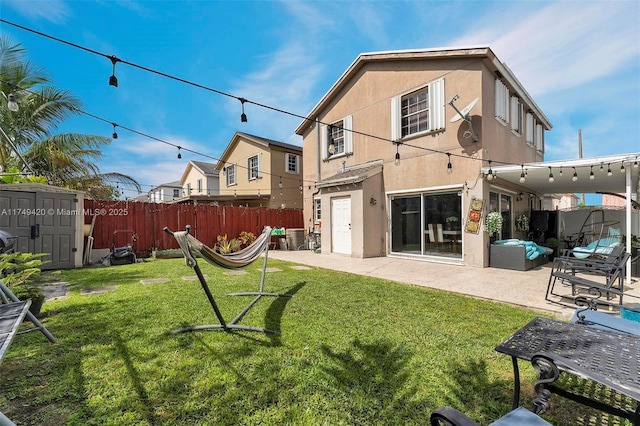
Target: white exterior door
x: 341, y: 225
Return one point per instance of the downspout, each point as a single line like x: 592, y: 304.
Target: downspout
x: 318, y: 150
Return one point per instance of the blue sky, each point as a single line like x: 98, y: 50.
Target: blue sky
x: 579, y: 60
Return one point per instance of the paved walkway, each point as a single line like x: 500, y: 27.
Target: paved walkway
x: 525, y: 289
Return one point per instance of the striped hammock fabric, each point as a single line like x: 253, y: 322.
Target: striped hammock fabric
x: 240, y: 259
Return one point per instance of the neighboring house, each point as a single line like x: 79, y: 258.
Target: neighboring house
x: 166, y: 192
x: 260, y: 172
x: 561, y: 202
x: 199, y: 183
x: 397, y: 174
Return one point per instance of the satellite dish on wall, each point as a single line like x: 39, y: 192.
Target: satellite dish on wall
x: 464, y: 112
x: 464, y: 115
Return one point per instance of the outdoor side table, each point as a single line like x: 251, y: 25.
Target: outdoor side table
x: 613, y: 359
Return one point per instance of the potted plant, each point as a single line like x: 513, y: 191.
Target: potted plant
x: 552, y: 243
x: 493, y: 222
x: 522, y: 223
x: 21, y: 273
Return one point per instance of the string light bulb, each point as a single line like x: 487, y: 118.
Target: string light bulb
x: 551, y: 179
x: 522, y: 176
x: 179, y: 155
x: 560, y: 170
x: 490, y: 174
x: 397, y: 161
x: 449, y: 166
x: 575, y: 175
x: 113, y: 80
x: 591, y: 175
x: 622, y: 170
x: 243, y: 116
x: 635, y: 163
x: 601, y: 167
x: 12, y: 104
x: 115, y: 134
x: 609, y: 173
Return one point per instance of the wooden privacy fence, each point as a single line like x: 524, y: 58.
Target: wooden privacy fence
x: 114, y: 220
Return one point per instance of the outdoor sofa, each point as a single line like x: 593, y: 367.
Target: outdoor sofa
x: 518, y: 255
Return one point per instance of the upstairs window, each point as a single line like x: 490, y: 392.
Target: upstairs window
x: 292, y: 163
x: 199, y: 185
x: 176, y: 193
x: 231, y: 174
x: 253, y: 165
x: 338, y: 138
x: 517, y: 115
x: 418, y: 112
x: 502, y: 102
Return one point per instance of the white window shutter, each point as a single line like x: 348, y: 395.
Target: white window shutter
x: 347, y: 127
x: 515, y: 110
x: 502, y: 101
x: 324, y: 147
x: 436, y: 104
x: 530, y: 125
x: 539, y: 138
x: 396, y: 118
x: 259, y: 174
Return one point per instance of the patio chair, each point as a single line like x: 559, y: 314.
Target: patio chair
x: 544, y: 364
x: 568, y: 263
x: 12, y: 313
x: 610, y: 273
x: 8, y: 298
x: 191, y: 247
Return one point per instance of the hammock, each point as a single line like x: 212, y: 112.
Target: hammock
x: 191, y: 246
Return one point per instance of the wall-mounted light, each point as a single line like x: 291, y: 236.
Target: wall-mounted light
x: 520, y: 196
x: 373, y: 201
x: 113, y: 80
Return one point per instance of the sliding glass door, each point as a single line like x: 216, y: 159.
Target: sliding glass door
x: 427, y: 224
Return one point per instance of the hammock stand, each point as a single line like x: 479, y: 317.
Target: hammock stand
x: 191, y: 246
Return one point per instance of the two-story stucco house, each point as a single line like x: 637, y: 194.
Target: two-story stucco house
x: 397, y: 170
x: 199, y: 182
x: 165, y: 192
x: 261, y: 172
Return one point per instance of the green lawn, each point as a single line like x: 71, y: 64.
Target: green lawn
x: 352, y: 351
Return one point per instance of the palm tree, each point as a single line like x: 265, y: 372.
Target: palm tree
x: 28, y: 140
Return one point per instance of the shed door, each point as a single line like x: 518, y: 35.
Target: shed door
x: 43, y: 223
x: 57, y: 230
x: 341, y: 225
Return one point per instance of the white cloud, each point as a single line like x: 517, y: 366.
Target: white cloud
x: 50, y: 10
x: 564, y: 44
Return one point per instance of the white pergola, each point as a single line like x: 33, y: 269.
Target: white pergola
x: 573, y: 176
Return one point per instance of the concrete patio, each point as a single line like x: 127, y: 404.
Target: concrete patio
x: 525, y: 289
